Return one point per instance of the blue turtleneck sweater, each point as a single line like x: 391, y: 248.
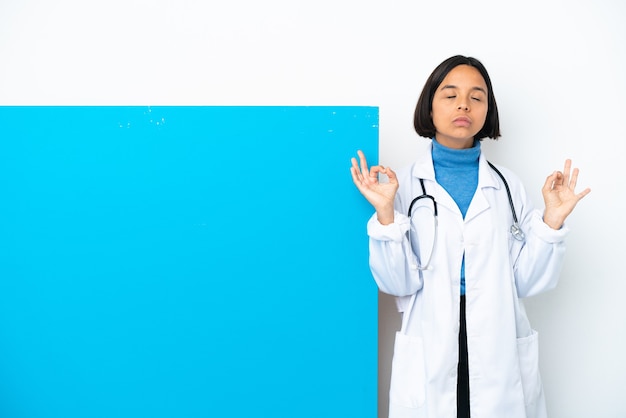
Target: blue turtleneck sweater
x: 456, y: 170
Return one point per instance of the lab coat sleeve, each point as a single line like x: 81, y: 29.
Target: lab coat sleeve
x: 390, y: 256
x: 540, y: 261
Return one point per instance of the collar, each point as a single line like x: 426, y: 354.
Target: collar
x: 423, y: 168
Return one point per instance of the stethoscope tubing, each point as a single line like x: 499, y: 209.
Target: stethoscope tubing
x: 515, y: 229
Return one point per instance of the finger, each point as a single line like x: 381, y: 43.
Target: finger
x: 583, y: 193
x: 355, y: 168
x: 566, y: 171
x: 375, y: 171
x: 551, y: 181
x: 363, y: 161
x: 559, y: 180
x: 573, y: 179
x: 391, y: 175
x: 356, y: 176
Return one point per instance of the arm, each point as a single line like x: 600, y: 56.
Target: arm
x: 539, y: 262
x: 389, y: 247
x: 390, y: 256
x: 540, y: 259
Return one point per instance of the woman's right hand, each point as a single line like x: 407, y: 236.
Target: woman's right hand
x: 380, y: 195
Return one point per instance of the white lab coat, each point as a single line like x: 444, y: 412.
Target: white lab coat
x: 499, y: 270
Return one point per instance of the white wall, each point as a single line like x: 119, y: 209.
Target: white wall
x: 558, y: 72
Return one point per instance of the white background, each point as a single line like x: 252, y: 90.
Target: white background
x: 558, y: 70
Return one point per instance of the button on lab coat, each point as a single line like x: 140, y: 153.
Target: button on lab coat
x: 503, y: 360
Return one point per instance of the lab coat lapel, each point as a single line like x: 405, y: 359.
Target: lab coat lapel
x: 424, y: 169
x: 486, y: 179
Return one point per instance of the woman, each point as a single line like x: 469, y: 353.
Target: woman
x: 459, y: 243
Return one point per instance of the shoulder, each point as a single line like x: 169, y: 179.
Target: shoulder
x: 405, y: 172
x: 505, y: 171
x: 506, y: 177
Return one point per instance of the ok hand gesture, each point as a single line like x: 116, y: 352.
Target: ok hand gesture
x: 380, y: 195
x: 559, y: 196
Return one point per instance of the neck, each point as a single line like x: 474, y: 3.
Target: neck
x: 444, y: 156
x: 455, y: 143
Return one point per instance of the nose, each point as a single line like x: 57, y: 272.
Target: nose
x: 463, y: 106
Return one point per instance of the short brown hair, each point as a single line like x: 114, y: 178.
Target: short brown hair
x: 423, y: 121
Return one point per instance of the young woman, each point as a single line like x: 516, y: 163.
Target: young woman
x: 456, y: 239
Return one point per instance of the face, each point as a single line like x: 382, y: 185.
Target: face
x: 459, y: 107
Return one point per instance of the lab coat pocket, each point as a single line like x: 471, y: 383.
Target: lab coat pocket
x: 528, y: 353
x: 407, y: 387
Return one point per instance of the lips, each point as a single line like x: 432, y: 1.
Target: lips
x: 462, y: 121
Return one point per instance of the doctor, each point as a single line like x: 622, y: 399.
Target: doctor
x: 456, y: 264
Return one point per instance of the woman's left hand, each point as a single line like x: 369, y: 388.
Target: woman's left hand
x: 559, y: 195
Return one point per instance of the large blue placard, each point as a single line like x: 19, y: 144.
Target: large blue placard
x: 185, y: 262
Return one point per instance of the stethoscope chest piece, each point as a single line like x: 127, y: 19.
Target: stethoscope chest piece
x: 515, y: 229
x: 517, y: 232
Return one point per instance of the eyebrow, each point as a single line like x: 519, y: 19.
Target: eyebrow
x: 452, y: 86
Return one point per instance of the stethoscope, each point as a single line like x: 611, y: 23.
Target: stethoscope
x: 515, y: 229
